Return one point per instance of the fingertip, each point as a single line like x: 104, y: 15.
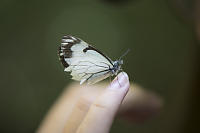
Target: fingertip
x: 120, y: 82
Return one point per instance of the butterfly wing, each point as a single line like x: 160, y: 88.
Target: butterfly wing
x: 85, y: 63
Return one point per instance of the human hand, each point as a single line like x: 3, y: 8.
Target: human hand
x: 70, y: 110
x: 87, y: 112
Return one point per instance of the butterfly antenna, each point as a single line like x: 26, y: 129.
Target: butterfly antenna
x: 124, y: 54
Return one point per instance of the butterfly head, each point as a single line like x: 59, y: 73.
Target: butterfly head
x: 117, y: 66
x: 118, y: 63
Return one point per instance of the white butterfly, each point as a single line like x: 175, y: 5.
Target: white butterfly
x: 86, y: 63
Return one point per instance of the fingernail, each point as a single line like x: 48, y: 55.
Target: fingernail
x: 119, y: 81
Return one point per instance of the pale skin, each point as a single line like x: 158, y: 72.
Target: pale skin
x: 92, y: 109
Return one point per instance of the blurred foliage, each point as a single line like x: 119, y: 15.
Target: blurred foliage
x: 162, y: 56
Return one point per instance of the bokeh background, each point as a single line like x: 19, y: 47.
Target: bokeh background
x: 162, y: 35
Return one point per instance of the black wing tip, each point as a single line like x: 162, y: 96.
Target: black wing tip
x: 64, y: 51
x: 62, y: 57
x: 70, y: 39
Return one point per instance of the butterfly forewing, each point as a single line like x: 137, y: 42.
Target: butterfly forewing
x: 85, y: 63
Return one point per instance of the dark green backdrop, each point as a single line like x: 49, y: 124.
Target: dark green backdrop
x: 162, y: 56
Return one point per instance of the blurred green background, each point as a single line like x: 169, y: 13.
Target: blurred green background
x: 163, y: 58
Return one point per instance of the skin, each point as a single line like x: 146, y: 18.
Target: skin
x: 82, y: 108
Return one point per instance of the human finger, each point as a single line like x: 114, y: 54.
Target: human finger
x: 101, y: 113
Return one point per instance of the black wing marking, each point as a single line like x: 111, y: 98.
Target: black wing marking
x: 62, y: 58
x: 92, y: 48
x: 64, y: 50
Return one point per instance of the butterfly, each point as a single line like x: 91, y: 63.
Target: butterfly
x: 86, y: 63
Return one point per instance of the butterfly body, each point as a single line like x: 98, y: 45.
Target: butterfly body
x: 116, y: 67
x: 86, y: 63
